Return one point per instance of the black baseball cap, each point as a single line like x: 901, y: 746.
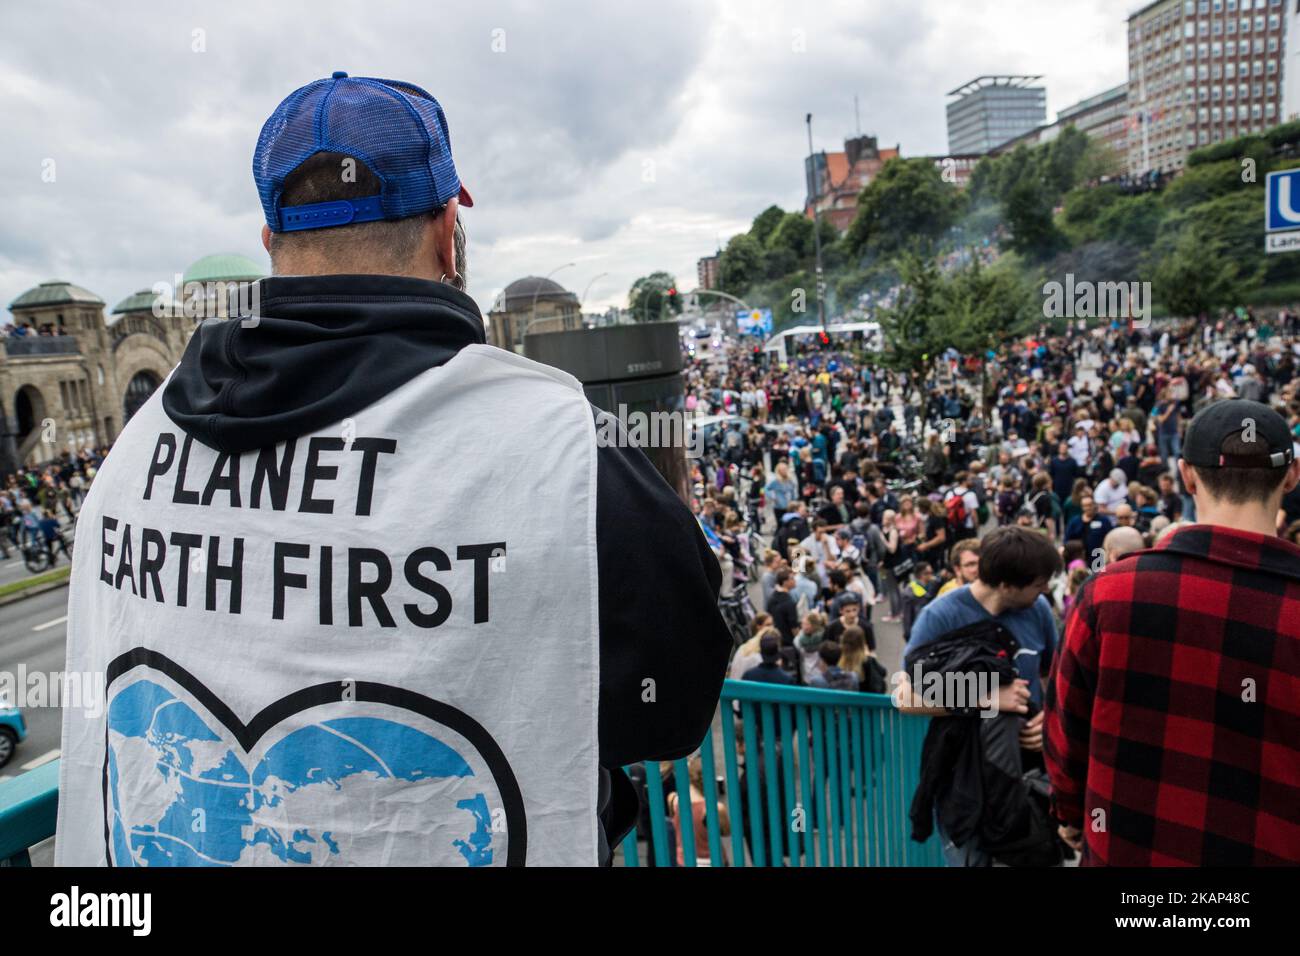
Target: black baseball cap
x: 1255, y: 423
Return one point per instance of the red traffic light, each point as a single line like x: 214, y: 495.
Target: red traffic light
x: 672, y: 291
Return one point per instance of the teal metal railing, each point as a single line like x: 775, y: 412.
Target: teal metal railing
x: 810, y: 778
x: 28, y: 806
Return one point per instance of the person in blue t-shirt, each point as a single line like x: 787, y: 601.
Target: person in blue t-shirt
x: 1016, y: 565
x: 1090, y: 527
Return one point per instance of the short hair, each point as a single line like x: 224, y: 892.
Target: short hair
x: 769, y: 647
x: 320, y: 179
x: 1017, y: 557
x: 839, y: 579
x: 391, y: 242
x: 960, y: 548
x: 1241, y: 486
x: 784, y: 575
x: 830, y: 653
x: 1123, y: 539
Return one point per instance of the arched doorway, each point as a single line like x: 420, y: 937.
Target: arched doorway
x: 29, y: 410
x: 142, y: 385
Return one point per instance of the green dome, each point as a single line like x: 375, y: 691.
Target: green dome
x: 142, y: 301
x: 55, y: 292
x: 223, y: 267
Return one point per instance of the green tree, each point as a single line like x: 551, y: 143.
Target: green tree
x: 1029, y: 210
x: 741, y: 264
x: 793, y: 233
x: 765, y: 222
x: 1063, y: 160
x: 907, y: 203
x: 1133, y: 221
x: 1196, y: 276
x: 984, y: 309
x: 916, y: 329
x: 1228, y: 224
x: 653, y: 298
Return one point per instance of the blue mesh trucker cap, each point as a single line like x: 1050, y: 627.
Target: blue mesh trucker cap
x: 398, y: 130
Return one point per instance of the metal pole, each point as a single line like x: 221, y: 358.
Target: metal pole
x: 817, y: 227
x: 539, y: 289
x: 588, y: 289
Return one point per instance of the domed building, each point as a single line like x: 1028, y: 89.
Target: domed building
x: 206, y: 284
x: 74, y: 376
x: 531, y: 304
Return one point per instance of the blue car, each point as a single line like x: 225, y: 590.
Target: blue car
x: 12, y: 731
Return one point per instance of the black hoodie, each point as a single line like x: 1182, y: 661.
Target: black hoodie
x: 328, y: 346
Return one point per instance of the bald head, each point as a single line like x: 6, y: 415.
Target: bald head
x: 1121, y: 541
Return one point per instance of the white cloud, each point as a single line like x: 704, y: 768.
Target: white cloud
x: 625, y: 138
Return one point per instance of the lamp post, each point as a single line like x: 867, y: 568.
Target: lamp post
x: 817, y: 226
x: 583, y: 300
x: 535, y: 293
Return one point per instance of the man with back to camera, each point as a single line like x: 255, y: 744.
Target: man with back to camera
x: 1171, y: 736
x: 325, y: 631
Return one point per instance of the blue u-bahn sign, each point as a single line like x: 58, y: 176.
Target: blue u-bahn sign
x: 1282, y: 205
x: 1282, y: 211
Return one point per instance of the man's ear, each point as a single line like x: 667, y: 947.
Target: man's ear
x: 1188, y: 476
x: 266, y: 238
x: 443, y: 228
x: 1292, y: 477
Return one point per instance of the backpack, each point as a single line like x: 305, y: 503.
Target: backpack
x: 875, y: 677
x: 955, y: 505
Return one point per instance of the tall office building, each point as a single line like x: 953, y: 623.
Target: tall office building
x: 989, y: 110
x: 1291, y: 63
x: 1201, y: 72
x: 1104, y: 117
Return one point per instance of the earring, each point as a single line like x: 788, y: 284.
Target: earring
x: 444, y: 277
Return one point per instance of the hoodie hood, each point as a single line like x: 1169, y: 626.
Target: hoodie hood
x: 321, y: 348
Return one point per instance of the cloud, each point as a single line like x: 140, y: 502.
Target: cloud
x: 623, y: 137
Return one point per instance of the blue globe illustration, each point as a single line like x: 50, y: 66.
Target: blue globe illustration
x: 348, y: 790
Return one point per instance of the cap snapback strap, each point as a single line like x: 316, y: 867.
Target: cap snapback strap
x: 339, y: 212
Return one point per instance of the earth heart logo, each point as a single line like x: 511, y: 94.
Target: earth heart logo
x: 385, y: 777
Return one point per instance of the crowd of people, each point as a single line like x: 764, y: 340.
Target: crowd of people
x: 39, y: 504
x: 18, y: 330
x: 840, y: 486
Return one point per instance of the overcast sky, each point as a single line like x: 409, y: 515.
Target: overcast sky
x: 621, y: 136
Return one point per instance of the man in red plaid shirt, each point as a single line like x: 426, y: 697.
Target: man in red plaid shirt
x: 1172, y: 730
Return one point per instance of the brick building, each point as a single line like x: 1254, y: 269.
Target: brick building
x: 836, y: 179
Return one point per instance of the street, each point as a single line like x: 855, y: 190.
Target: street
x: 33, y: 632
